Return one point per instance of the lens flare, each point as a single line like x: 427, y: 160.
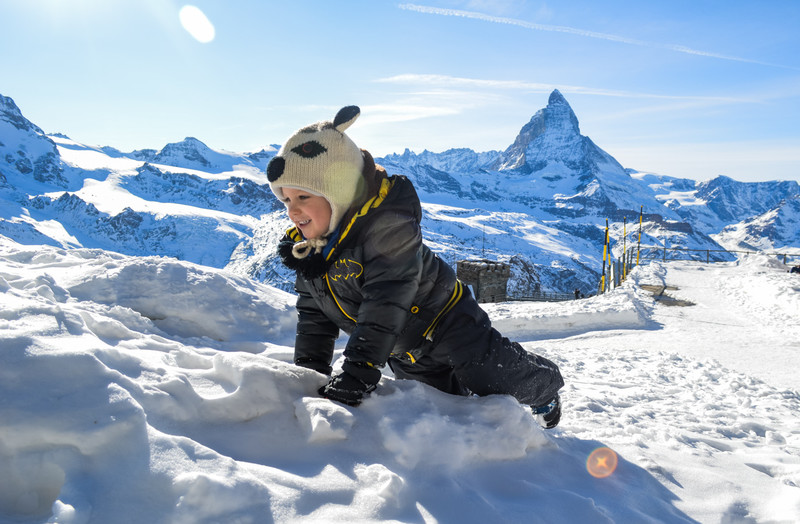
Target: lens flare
x: 197, y: 24
x: 601, y: 463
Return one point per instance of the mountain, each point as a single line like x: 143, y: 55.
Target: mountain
x: 561, y: 165
x: 540, y: 205
x: 721, y: 201
x: 739, y: 215
x: 191, y: 153
x: 58, y: 192
x: 27, y: 155
x: 550, y: 167
x: 776, y: 230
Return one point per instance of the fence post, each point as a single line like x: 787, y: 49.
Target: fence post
x: 639, y: 242
x: 624, y: 238
x: 605, y: 253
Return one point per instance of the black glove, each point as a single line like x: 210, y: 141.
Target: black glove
x: 356, y: 380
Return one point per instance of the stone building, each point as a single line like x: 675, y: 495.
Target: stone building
x: 488, y: 279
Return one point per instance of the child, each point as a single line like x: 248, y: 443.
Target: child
x: 362, y: 267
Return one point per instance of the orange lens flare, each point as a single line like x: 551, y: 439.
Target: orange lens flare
x: 601, y: 463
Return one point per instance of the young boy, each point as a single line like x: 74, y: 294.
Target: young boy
x: 362, y: 267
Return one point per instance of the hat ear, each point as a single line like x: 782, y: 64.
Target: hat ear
x: 345, y: 117
x: 275, y: 168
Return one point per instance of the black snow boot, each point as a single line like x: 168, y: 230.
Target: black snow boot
x: 550, y: 413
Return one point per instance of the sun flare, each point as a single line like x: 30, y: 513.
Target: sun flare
x: 197, y: 24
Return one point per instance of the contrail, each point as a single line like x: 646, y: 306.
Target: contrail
x: 579, y: 32
x: 454, y: 81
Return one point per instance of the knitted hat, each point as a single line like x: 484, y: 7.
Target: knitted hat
x: 322, y: 160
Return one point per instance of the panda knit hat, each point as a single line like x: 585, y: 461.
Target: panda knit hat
x: 322, y: 160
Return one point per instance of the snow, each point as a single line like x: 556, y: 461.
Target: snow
x: 147, y: 389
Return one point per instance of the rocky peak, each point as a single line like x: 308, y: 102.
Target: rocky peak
x: 559, y: 115
x: 189, y: 149
x: 9, y: 112
x: 25, y: 151
x: 556, y: 121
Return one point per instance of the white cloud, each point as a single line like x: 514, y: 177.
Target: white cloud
x: 402, y: 112
x: 451, y: 81
x: 579, y: 32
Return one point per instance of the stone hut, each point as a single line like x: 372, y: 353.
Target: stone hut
x: 488, y: 279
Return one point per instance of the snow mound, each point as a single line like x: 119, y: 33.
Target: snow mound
x: 154, y: 390
x: 627, y: 307
x: 158, y: 295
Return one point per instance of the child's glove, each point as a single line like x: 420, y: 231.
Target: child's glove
x: 356, y: 380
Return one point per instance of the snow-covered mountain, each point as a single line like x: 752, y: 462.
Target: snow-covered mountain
x: 776, y: 229
x: 550, y: 167
x: 26, y: 154
x: 723, y: 205
x: 540, y: 205
x: 191, y: 153
x: 552, y: 189
x: 187, y: 200
x: 559, y: 164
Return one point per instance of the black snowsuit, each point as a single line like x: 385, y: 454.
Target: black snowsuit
x: 401, y: 304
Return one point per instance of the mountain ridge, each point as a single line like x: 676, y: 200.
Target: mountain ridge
x: 540, y: 205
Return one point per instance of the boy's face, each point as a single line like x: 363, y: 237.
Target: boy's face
x: 309, y: 212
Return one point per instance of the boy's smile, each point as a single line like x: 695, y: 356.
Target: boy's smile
x: 310, y: 213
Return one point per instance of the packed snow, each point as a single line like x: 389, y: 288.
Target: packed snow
x: 147, y: 389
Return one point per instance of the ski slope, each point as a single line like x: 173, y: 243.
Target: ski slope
x: 145, y: 389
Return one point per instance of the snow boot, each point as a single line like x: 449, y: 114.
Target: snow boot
x: 550, y: 414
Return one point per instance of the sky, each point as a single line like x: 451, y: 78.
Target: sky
x: 685, y: 89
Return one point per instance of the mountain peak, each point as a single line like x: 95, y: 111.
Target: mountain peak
x: 189, y: 152
x: 25, y: 150
x: 559, y: 114
x: 556, y: 124
x: 556, y: 98
x: 10, y: 113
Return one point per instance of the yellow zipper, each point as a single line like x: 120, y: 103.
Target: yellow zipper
x: 337, y: 300
x: 372, y: 203
x: 458, y: 292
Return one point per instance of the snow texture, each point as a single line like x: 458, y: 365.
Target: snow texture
x: 146, y: 389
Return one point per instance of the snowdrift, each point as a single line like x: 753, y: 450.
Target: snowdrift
x: 153, y: 390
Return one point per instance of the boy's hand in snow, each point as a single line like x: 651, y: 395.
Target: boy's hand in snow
x: 350, y: 386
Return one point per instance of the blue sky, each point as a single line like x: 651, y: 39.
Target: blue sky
x: 683, y: 88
